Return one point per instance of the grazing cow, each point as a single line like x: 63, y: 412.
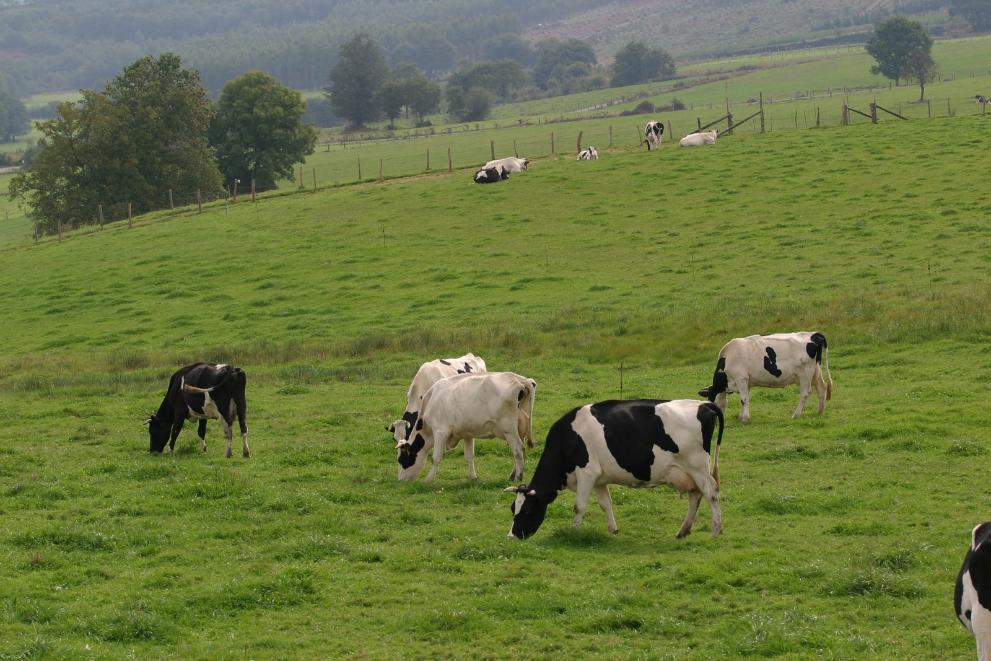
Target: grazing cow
x: 588, y: 154
x: 491, y: 175
x: 199, y: 392
x: 652, y: 134
x: 972, y: 597
x: 636, y: 443
x: 698, y: 139
x: 466, y: 407
x: 983, y: 100
x: 771, y: 361
x: 429, y: 374
x: 509, y: 164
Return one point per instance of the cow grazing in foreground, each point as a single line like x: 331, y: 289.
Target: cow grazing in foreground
x: 510, y: 164
x: 588, y: 154
x: 466, y: 407
x: 772, y: 361
x: 636, y: 443
x: 698, y: 139
x: 199, y: 392
x: 652, y: 134
x: 429, y: 374
x: 972, y: 597
x: 491, y: 175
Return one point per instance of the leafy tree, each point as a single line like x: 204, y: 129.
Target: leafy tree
x: 433, y: 53
x: 900, y: 47
x: 356, y: 79
x: 13, y: 116
x: 556, y: 60
x: 478, y: 104
x: 922, y: 68
x: 391, y: 99
x: 455, y: 97
x: 508, y: 47
x: 424, y: 98
x: 635, y: 63
x: 977, y: 13
x: 258, y: 130
x: 145, y: 134
x: 501, y: 78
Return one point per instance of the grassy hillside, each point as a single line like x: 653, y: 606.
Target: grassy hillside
x: 843, y: 532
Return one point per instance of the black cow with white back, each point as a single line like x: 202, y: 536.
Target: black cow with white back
x: 636, y: 443
x: 200, y: 392
x: 972, y: 597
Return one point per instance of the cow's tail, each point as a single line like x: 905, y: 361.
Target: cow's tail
x: 822, y: 357
x: 719, y: 440
x: 228, y: 376
x: 524, y: 421
x: 829, y: 376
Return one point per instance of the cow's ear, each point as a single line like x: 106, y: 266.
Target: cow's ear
x: 391, y: 429
x: 704, y: 393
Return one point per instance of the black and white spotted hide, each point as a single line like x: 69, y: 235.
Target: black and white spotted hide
x: 491, y: 175
x: 972, y: 597
x: 652, y: 134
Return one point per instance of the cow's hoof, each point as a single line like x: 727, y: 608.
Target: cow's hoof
x: 228, y: 454
x: 683, y: 533
x: 614, y: 532
x: 247, y: 455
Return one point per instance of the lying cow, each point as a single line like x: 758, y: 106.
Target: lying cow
x: 491, y: 175
x: 983, y: 100
x: 199, y: 392
x: 509, y: 164
x: 429, y: 374
x: 771, y: 361
x: 652, y: 134
x: 588, y: 154
x: 636, y: 443
x: 972, y: 597
x: 698, y: 139
x: 466, y: 407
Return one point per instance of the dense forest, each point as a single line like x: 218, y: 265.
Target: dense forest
x: 48, y: 45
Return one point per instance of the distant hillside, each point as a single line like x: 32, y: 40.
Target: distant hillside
x: 53, y: 45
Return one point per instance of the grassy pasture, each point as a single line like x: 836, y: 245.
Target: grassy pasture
x: 843, y: 532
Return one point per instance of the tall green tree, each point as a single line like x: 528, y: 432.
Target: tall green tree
x: 424, y: 97
x: 13, y: 116
x: 977, y: 13
x: 502, y: 78
x: 635, y: 63
x: 145, y: 134
x: 560, y: 60
x: 258, y: 132
x: 356, y: 79
x: 391, y: 98
x: 900, y: 47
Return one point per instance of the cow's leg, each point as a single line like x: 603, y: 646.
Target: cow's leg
x: 710, y: 490
x: 821, y: 389
x: 516, y: 446
x: 694, y: 498
x: 469, y: 444
x: 582, y: 492
x: 228, y: 434
x: 440, y: 444
x: 804, y: 388
x: 743, y: 388
x: 605, y: 502
x: 174, y: 434
x: 242, y: 421
x: 202, y: 434
x: 980, y: 624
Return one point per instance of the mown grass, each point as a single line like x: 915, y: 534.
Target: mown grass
x: 843, y: 532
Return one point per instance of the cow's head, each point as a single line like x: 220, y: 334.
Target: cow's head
x: 529, y: 509
x: 525, y: 163
x: 411, y: 454
x: 158, y: 430
x: 400, y: 430
x: 720, y: 385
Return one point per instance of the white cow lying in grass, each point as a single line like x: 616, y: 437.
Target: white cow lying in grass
x: 588, y: 154
x: 698, y: 139
x: 508, y: 164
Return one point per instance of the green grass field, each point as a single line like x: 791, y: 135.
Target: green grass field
x: 843, y: 532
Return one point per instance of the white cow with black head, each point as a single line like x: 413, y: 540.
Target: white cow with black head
x: 636, y: 443
x: 466, y: 407
x: 972, y: 597
x: 429, y: 374
x: 653, y: 134
x: 771, y: 361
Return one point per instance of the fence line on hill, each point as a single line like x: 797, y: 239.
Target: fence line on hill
x: 356, y: 165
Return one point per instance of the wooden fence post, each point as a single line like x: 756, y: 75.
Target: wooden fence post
x: 492, y: 149
x: 610, y: 135
x: 428, y: 159
x: 171, y: 205
x: 929, y: 104
x: 729, y: 119
x: 450, y: 163
x: 874, y: 112
x: 359, y: 168
x: 516, y: 153
x: 817, y: 116
x: 949, y: 113
x: 670, y: 133
x: 380, y: 169
x: 699, y: 120
x: 580, y: 134
x: 314, y: 180
x: 129, y: 216
x: 552, y: 142
x: 99, y: 212
x: 761, y: 112
x: 199, y: 202
x: 253, y: 189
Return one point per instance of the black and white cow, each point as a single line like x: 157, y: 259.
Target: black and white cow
x: 972, y: 597
x: 772, y: 361
x: 636, y: 443
x: 491, y: 175
x: 429, y: 374
x: 983, y: 100
x: 652, y: 134
x: 588, y: 154
x: 199, y: 392
x: 466, y: 407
